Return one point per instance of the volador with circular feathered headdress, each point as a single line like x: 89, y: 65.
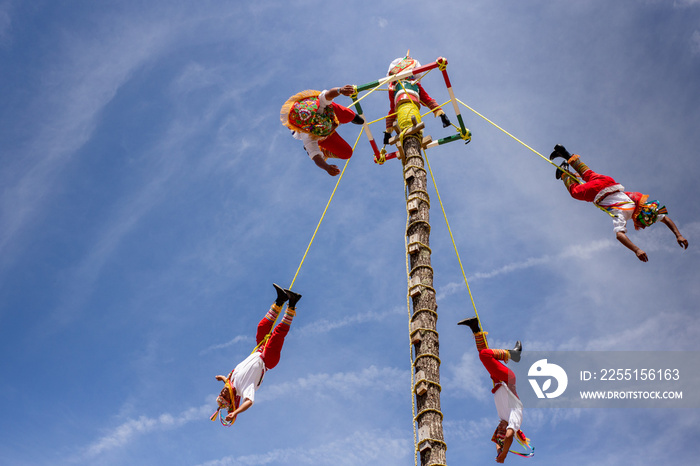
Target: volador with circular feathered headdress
x: 301, y: 113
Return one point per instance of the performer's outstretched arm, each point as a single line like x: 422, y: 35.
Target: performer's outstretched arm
x: 348, y: 89
x: 506, y: 446
x: 672, y: 226
x: 641, y: 255
x: 243, y: 407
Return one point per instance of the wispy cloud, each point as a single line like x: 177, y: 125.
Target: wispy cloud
x: 85, y: 78
x: 349, y: 385
x: 237, y: 339
x: 326, y: 325
x: 575, y: 251
x: 376, y: 447
x: 127, y: 431
x: 319, y: 326
x: 467, y: 378
x: 5, y: 23
x: 344, y: 384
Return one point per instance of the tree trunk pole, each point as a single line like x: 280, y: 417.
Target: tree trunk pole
x: 424, y: 336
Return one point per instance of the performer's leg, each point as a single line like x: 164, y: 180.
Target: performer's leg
x: 577, y: 164
x: 273, y: 347
x: 344, y: 114
x: 266, y: 323
x: 594, y: 182
x: 337, y: 146
x: 491, y: 359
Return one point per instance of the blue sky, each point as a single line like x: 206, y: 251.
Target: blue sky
x: 150, y: 196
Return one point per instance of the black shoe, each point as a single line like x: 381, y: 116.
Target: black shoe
x: 515, y: 352
x: 472, y: 323
x: 560, y: 173
x: 293, y: 298
x: 560, y: 151
x: 358, y: 120
x: 445, y: 121
x: 281, y: 295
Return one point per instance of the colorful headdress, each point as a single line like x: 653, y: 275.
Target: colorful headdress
x: 650, y: 212
x: 300, y: 113
x: 402, y: 64
x: 223, y: 404
x: 500, y: 434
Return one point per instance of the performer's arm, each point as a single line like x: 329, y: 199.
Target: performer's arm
x: 391, y: 116
x: 641, y: 255
x: 672, y: 226
x: 429, y: 102
x: 348, y: 90
x: 506, y: 446
x: 243, y: 407
x: 331, y: 169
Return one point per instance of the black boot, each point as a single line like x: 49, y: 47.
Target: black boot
x: 472, y: 323
x: 358, y: 120
x: 560, y: 151
x: 293, y: 298
x: 560, y: 173
x: 445, y: 121
x: 281, y: 295
x: 515, y: 352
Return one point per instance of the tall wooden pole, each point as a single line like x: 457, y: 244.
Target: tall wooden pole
x: 424, y: 336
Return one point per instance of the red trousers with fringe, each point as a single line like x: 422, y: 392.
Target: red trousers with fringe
x: 334, y: 143
x: 273, y: 348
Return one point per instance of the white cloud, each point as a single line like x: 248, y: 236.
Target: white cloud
x: 237, y: 339
x: 326, y: 325
x: 686, y: 3
x: 5, y: 24
x: 349, y: 385
x: 468, y: 378
x: 127, y: 431
x: 575, y: 251
x: 83, y: 78
x: 695, y: 43
x: 375, y: 447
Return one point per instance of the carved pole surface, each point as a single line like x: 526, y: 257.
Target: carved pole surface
x: 423, y: 325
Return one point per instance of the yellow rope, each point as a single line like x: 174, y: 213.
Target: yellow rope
x: 449, y: 229
x: 368, y: 93
x: 380, y: 119
x: 431, y: 110
x: 565, y: 172
x: 494, y: 124
x: 313, y: 237
x: 326, y: 209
